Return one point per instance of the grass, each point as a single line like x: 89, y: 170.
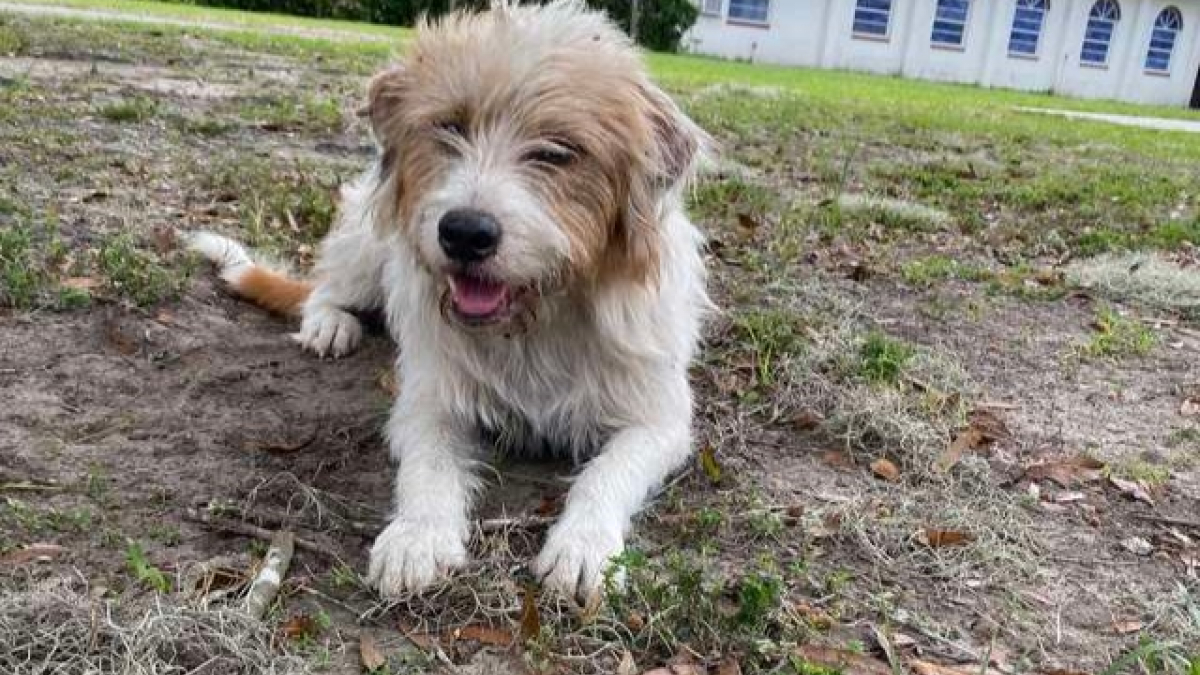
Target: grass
x: 133, y: 272
x: 143, y: 570
x: 136, y: 109
x: 883, y: 359
x: 1149, y: 280
x: 1116, y: 336
x: 295, y: 113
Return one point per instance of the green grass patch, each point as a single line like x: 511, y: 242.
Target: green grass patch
x: 1116, y: 337
x: 143, y: 570
x: 32, y: 256
x: 294, y: 113
x: 882, y: 358
x: 770, y: 336
x: 135, y: 109
x: 135, y: 273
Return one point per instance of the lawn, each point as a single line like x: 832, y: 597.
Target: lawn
x: 948, y: 414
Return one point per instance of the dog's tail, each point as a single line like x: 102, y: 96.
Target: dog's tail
x: 268, y: 288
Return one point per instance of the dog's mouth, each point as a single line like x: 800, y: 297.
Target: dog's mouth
x: 476, y: 300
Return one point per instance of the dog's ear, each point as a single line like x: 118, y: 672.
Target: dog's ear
x: 676, y: 146
x: 385, y: 96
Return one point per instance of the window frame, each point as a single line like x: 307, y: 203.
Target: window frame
x: 739, y: 21
x: 886, y: 35
x: 1168, y: 11
x: 964, y: 27
x: 706, y: 10
x: 1112, y: 22
x: 1025, y: 5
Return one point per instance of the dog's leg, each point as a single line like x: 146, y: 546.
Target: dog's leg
x: 347, y: 273
x: 605, y: 497
x: 435, y: 487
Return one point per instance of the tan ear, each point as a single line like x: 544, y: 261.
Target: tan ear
x: 676, y: 145
x: 384, y: 100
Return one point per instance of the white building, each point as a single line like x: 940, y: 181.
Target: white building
x: 1144, y: 51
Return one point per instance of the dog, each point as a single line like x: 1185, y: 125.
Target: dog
x: 522, y: 232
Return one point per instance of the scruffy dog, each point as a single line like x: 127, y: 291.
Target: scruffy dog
x: 522, y: 232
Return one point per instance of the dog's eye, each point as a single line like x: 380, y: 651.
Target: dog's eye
x: 453, y: 128
x: 551, y: 156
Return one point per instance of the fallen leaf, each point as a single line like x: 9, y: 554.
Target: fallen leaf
x: 1134, y: 489
x: 1067, y: 473
x: 817, y: 618
x: 32, y: 553
x: 847, y: 662
x: 300, y: 627
x: 708, y: 462
x: 1137, y: 546
x: 1190, y: 407
x: 165, y: 239
x: 635, y: 621
x: 729, y: 666
x: 368, y: 652
x: 807, y: 419
x: 939, y: 538
x: 927, y: 668
x: 678, y: 669
x: 1127, y: 627
x: 903, y: 640
x: 968, y: 439
x: 885, y: 469
x: 747, y: 222
x: 551, y: 504
x: 627, y: 666
x: 1068, y: 497
x: 837, y: 459
x: 485, y: 635
x: 988, y: 423
x: 531, y: 620
x: 425, y: 641
x: 387, y: 382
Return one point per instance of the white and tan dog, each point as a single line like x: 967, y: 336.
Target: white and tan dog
x: 523, y: 233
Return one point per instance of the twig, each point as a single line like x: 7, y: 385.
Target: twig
x: 254, y: 531
x: 492, y: 525
x: 30, y: 487
x: 1181, y: 522
x: 275, y: 566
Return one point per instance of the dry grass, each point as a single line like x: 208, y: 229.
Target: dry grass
x: 1148, y: 279
x: 59, y: 627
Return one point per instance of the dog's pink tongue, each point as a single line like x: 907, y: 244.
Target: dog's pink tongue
x: 474, y: 296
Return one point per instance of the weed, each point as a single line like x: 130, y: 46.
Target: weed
x: 18, y: 270
x: 136, y: 109
x: 134, y: 273
x: 802, y: 666
x: 771, y: 336
x: 290, y: 112
x: 759, y: 596
x: 1118, y: 336
x: 12, y: 41
x: 731, y: 196
x: 883, y: 358
x: 143, y: 570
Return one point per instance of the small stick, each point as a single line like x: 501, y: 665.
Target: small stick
x: 253, y: 531
x: 30, y: 487
x: 492, y: 525
x: 1181, y: 522
x: 275, y: 566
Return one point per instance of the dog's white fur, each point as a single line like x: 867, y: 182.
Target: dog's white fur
x: 600, y: 371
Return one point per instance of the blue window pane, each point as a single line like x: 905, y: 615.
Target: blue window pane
x: 1026, y: 30
x: 871, y: 17
x: 949, y: 22
x: 1102, y: 21
x: 1162, y: 40
x: 749, y: 10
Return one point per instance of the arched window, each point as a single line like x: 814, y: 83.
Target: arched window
x: 1162, y: 40
x: 872, y: 17
x: 1102, y: 22
x: 950, y: 22
x: 1026, y: 33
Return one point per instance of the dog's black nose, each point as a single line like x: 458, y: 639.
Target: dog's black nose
x: 468, y: 235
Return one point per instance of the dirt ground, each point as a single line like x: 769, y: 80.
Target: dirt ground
x: 147, y: 417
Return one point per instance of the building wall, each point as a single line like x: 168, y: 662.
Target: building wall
x: 819, y: 33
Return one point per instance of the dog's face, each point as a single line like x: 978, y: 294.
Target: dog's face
x: 525, y: 152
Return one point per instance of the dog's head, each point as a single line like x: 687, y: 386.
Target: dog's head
x: 526, y: 152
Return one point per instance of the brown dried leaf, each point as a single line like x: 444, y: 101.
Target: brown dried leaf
x: 849, y: 663
x: 551, y: 504
x: 32, y: 553
x: 387, y: 382
x: 941, y: 538
x: 368, y: 652
x: 1067, y: 473
x: 1134, y: 489
x: 807, y: 419
x: 1190, y: 407
x: 837, y: 459
x: 969, y: 439
x: 484, y: 634
x: 748, y: 222
x: 80, y: 283
x: 531, y: 619
x: 300, y: 627
x: 1127, y: 627
x: 885, y: 469
x: 817, y: 618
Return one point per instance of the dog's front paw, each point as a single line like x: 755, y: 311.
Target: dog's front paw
x: 329, y: 331
x: 408, y: 556
x: 575, y: 557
